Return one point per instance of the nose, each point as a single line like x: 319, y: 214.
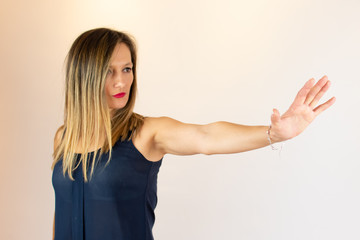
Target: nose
x: 119, y: 80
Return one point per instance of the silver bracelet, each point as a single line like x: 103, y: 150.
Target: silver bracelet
x: 271, y: 144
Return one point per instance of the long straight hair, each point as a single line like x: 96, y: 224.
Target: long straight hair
x: 86, y: 112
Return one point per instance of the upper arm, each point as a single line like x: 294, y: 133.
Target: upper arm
x: 175, y: 137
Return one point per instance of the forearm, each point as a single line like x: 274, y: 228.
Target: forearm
x: 225, y: 137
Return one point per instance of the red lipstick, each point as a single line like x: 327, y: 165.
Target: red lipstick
x: 119, y: 95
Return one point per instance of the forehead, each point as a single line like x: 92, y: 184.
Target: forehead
x: 121, y: 55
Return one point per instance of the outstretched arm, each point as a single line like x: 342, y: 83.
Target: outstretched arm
x: 174, y: 137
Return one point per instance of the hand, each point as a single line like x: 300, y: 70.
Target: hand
x: 301, y: 112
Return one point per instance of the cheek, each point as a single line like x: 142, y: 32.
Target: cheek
x: 108, y: 92
x: 131, y: 82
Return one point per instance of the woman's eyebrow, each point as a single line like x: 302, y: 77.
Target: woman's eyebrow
x: 126, y: 64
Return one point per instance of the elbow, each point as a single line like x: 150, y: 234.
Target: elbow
x: 205, y: 146
x: 206, y: 151
x: 211, y: 135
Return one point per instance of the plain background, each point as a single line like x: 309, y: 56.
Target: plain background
x: 199, y: 62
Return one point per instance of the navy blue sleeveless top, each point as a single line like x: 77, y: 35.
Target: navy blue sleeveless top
x: 117, y: 203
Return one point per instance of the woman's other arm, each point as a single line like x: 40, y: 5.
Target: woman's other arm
x: 53, y: 237
x: 57, y: 140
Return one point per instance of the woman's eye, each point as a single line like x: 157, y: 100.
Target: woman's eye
x: 109, y: 71
x: 127, y: 69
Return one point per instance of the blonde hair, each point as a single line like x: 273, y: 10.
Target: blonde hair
x: 86, y: 112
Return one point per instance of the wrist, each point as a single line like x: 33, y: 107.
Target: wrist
x: 273, y: 139
x: 273, y: 136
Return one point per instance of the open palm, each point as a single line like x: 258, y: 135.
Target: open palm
x: 301, y: 112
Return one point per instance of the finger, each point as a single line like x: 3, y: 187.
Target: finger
x: 315, y: 90
x: 301, y: 95
x: 320, y: 94
x: 275, y: 116
x: 319, y: 109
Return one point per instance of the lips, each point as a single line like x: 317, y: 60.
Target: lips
x: 119, y: 95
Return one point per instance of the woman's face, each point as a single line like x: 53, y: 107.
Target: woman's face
x: 119, y: 77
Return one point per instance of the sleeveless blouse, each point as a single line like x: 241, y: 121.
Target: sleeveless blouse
x: 117, y: 203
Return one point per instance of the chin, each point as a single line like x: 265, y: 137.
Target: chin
x: 117, y: 107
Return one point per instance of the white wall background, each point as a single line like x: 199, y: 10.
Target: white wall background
x: 199, y: 62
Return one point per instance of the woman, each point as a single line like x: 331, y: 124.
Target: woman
x: 106, y: 157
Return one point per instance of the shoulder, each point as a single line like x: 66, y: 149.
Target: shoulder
x: 158, y: 123
x: 163, y: 125
x: 154, y: 126
x: 151, y: 127
x: 145, y: 138
x: 58, y: 136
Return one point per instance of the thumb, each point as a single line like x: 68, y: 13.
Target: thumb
x: 275, y: 116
